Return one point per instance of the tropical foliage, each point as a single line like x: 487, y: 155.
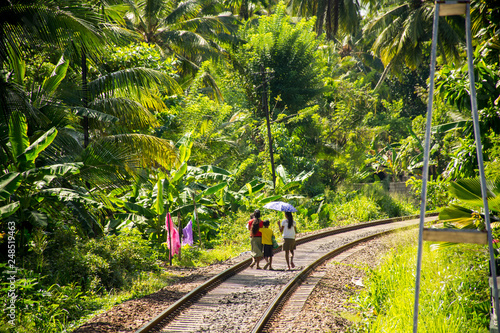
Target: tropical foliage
x: 115, y: 113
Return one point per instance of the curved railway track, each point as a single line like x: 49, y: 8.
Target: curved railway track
x: 254, y: 296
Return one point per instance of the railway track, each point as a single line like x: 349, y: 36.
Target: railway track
x: 241, y: 299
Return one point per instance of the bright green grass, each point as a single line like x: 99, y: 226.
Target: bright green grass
x: 454, y: 292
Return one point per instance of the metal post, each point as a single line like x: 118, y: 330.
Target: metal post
x: 179, y: 222
x: 477, y: 135
x: 425, y: 171
x: 169, y: 222
x: 195, y: 213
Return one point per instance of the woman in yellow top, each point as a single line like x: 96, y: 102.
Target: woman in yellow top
x: 267, y: 242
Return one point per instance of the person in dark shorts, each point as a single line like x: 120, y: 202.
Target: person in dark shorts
x: 288, y: 228
x: 267, y: 243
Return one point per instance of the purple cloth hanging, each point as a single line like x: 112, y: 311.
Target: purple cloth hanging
x: 187, y: 234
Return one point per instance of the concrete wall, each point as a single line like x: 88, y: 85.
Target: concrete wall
x: 395, y: 187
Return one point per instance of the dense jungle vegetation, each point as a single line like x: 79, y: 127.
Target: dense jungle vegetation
x: 117, y: 112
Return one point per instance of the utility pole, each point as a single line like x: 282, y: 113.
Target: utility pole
x: 265, y: 107
x: 85, y: 98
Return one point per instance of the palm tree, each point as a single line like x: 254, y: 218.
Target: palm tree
x: 24, y: 24
x: 119, y: 109
x: 188, y: 29
x: 404, y: 30
x: 332, y: 15
x: 118, y: 105
x: 246, y: 8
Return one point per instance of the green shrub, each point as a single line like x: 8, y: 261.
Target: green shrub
x: 104, y: 263
x: 391, y: 205
x: 437, y: 192
x: 44, y: 309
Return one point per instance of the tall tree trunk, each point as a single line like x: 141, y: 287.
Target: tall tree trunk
x: 384, y: 74
x: 244, y: 12
x: 328, y: 23
x: 320, y: 14
x: 265, y: 106
x: 336, y: 14
x: 85, y: 99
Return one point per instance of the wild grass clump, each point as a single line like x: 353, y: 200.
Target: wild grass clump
x: 371, y: 202
x: 454, y: 294
x: 390, y: 204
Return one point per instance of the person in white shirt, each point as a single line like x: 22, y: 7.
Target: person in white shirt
x: 288, y: 228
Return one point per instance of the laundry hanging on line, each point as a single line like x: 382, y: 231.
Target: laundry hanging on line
x: 187, y: 234
x: 172, y: 231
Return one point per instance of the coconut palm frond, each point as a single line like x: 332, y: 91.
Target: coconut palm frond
x: 185, y: 10
x: 454, y: 212
x: 350, y: 16
x: 210, y: 82
x: 380, y: 22
x: 94, y: 115
x: 25, y: 24
x: 66, y: 147
x: 13, y: 97
x: 404, y: 33
x: 152, y: 9
x: 132, y: 80
x: 208, y: 25
x: 186, y: 42
x: 149, y: 99
x: 132, y: 113
x: 108, y: 164
x: 386, y: 35
x: 451, y: 34
x: 144, y: 150
x: 119, y: 35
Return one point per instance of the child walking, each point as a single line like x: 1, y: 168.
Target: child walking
x: 267, y: 242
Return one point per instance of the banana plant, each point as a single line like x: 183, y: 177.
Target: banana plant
x: 176, y: 191
x: 284, y: 183
x: 32, y: 196
x: 470, y: 215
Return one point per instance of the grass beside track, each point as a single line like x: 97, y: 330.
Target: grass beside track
x: 454, y: 292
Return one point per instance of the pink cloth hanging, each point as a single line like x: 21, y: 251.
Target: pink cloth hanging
x: 187, y: 234
x: 171, y: 230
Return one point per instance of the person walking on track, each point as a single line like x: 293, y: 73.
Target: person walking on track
x: 288, y: 228
x: 267, y: 243
x: 256, y: 238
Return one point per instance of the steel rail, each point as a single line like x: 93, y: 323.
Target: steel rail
x: 293, y: 284
x: 169, y: 314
